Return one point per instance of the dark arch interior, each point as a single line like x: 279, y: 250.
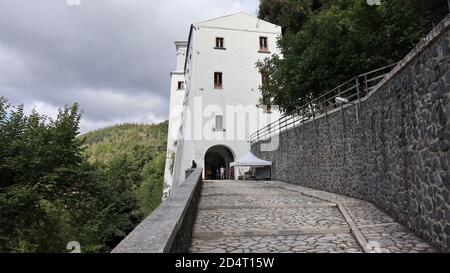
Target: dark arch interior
x: 215, y: 158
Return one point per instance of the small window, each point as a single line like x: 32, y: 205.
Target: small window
x: 218, y: 80
x: 263, y: 44
x: 180, y: 86
x: 219, y: 43
x: 219, y: 123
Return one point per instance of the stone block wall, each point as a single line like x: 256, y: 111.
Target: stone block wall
x: 397, y: 156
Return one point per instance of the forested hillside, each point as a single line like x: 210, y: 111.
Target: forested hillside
x: 141, y: 149
x: 141, y: 141
x: 54, y: 189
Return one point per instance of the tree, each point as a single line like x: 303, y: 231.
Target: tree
x: 150, y: 191
x: 50, y: 194
x: 341, y: 41
x: 119, y: 211
x: 290, y: 14
x: 42, y: 179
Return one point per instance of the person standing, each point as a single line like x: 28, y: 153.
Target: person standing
x: 222, y: 173
x: 217, y: 174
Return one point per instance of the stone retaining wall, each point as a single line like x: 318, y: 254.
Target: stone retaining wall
x: 169, y: 227
x: 397, y: 157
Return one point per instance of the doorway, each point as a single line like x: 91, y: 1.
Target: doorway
x: 215, y: 158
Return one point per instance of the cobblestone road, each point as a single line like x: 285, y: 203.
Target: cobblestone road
x: 255, y: 217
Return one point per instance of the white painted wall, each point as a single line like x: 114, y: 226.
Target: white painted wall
x: 175, y: 113
x: 241, y: 82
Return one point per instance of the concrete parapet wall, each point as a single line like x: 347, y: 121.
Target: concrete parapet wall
x: 169, y: 227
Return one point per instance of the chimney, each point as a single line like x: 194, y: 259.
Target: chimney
x: 181, y: 47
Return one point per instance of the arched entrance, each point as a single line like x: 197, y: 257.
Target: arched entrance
x: 215, y: 158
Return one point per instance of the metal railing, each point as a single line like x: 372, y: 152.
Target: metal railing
x: 352, y: 90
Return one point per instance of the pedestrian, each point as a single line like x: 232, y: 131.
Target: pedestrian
x: 217, y: 174
x: 222, y: 173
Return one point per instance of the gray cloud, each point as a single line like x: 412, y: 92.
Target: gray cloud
x: 111, y: 56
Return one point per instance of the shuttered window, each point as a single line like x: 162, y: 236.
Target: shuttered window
x: 263, y: 44
x: 218, y: 80
x: 219, y: 42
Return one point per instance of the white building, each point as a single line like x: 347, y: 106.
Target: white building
x: 215, y: 97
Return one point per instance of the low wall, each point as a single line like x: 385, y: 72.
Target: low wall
x: 169, y: 227
x: 397, y: 157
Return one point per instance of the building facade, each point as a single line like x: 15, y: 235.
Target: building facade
x: 215, y: 97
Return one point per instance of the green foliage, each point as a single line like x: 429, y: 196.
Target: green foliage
x: 142, y: 151
x: 141, y: 142
x: 49, y: 192
x: 42, y: 179
x: 290, y: 14
x: 343, y: 39
x: 150, y: 190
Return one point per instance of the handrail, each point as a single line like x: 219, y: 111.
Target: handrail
x: 354, y: 89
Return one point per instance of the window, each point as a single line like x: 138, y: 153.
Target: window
x: 218, y: 80
x: 219, y: 123
x: 219, y: 43
x: 180, y: 86
x: 263, y: 44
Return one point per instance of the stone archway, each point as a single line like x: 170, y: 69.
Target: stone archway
x: 215, y: 158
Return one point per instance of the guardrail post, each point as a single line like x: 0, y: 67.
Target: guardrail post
x: 359, y: 101
x: 279, y: 125
x: 367, y: 84
x: 358, y: 90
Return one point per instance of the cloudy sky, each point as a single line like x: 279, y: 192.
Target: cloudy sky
x: 113, y: 57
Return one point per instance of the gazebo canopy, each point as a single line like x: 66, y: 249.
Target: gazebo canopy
x: 250, y: 160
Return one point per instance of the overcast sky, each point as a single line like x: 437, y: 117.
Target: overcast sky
x: 113, y: 57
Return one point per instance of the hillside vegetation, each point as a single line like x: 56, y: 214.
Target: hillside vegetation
x: 140, y: 141
x: 327, y: 42
x: 142, y: 148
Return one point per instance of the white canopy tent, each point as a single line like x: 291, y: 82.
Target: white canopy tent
x: 250, y: 160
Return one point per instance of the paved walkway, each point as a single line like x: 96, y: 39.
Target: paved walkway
x: 255, y: 217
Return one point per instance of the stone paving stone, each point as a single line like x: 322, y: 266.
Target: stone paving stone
x: 394, y: 238
x: 227, y: 183
x: 337, y: 243
x: 245, y: 191
x: 269, y: 218
x: 232, y: 213
x: 367, y: 214
x: 255, y: 200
